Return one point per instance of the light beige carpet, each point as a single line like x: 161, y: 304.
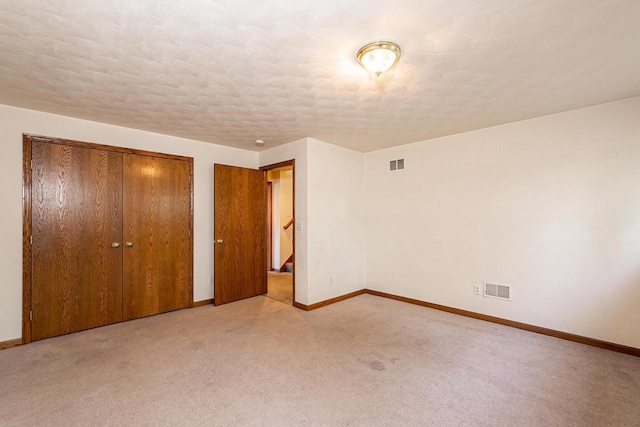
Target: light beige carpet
x: 366, y: 361
x: 280, y: 286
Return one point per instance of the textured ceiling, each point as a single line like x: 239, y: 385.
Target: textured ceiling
x: 230, y: 72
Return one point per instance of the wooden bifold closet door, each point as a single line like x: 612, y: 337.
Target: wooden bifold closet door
x: 76, y: 219
x: 111, y: 236
x: 157, y: 199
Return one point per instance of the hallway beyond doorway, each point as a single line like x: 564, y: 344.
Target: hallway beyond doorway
x: 280, y: 286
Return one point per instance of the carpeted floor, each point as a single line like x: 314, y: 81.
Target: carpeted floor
x: 280, y: 286
x: 366, y: 361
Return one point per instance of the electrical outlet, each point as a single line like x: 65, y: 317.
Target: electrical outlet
x: 330, y: 279
x: 476, y: 289
x: 211, y: 280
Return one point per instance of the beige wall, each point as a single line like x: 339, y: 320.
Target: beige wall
x: 297, y: 151
x: 549, y: 205
x: 336, y: 220
x: 286, y: 213
x: 15, y: 121
x: 274, y: 177
x: 282, y: 212
x: 329, y: 209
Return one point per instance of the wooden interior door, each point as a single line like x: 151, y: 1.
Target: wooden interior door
x: 240, y: 229
x: 157, y: 240
x: 76, y: 263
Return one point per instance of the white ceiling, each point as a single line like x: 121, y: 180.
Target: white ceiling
x: 230, y: 72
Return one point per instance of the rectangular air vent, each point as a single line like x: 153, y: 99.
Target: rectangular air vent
x: 396, y: 164
x: 495, y: 290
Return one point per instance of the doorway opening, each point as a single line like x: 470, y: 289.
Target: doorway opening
x: 280, y: 268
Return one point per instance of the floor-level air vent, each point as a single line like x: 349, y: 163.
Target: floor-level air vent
x: 495, y: 290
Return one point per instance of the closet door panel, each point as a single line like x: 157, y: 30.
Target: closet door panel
x: 157, y: 223
x: 76, y: 217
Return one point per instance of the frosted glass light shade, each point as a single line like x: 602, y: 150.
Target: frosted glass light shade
x: 378, y: 57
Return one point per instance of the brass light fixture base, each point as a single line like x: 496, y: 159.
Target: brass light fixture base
x: 380, y: 63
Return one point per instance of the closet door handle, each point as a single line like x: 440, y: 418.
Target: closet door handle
x: 115, y: 245
x: 218, y: 241
x: 128, y: 244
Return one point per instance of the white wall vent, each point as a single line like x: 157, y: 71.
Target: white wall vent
x: 396, y: 164
x: 495, y: 290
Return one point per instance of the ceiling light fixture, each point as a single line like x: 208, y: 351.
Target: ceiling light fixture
x: 259, y: 142
x: 378, y: 57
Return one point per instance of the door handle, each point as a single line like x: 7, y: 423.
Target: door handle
x: 128, y: 244
x: 219, y: 241
x: 115, y: 245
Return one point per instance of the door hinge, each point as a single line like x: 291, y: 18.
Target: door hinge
x: 31, y: 239
x: 31, y: 315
